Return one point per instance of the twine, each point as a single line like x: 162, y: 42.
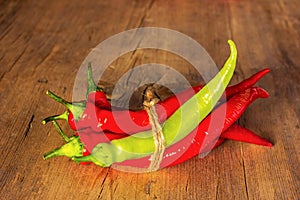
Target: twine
x: 158, y: 136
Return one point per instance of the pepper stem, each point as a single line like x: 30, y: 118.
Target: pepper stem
x: 88, y: 158
x: 76, y: 108
x: 92, y: 86
x: 51, y: 154
x: 63, y: 116
x: 60, y: 131
x: 71, y: 149
x: 59, y: 99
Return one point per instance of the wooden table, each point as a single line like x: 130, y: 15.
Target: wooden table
x: 43, y: 43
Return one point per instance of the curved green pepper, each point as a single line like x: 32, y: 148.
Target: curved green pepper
x: 179, y: 125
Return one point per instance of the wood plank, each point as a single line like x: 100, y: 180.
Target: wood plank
x: 43, y: 43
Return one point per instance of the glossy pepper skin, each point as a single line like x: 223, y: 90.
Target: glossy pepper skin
x: 190, y: 146
x: 241, y: 134
x: 105, y: 148
x: 174, y: 128
x: 75, y: 145
x: 204, y: 138
x: 74, y: 111
x: 99, y: 117
x: 126, y: 122
x: 207, y: 133
x: 95, y: 94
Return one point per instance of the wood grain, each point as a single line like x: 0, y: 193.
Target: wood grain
x: 42, y: 44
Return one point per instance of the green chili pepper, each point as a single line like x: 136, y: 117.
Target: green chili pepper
x: 179, y: 125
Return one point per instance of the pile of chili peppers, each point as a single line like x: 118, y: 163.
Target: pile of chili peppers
x: 107, y: 136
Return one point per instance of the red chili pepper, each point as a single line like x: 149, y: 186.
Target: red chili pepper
x: 126, y: 122
x: 95, y: 94
x: 199, y: 141
x: 247, y: 83
x: 202, y: 139
x: 138, y: 121
x: 99, y: 100
x: 74, y: 111
x: 91, y: 138
x: 235, y: 132
x: 94, y: 116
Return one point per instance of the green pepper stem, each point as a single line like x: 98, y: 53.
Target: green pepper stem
x: 88, y: 158
x: 60, y: 131
x: 73, y: 148
x: 63, y: 116
x: 59, y: 99
x: 76, y: 108
x: 92, y: 86
x: 51, y: 154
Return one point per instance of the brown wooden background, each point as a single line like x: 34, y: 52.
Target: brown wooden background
x: 42, y: 44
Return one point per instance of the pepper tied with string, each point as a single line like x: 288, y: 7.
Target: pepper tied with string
x: 169, y: 132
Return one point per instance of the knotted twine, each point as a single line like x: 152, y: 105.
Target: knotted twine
x: 158, y: 137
